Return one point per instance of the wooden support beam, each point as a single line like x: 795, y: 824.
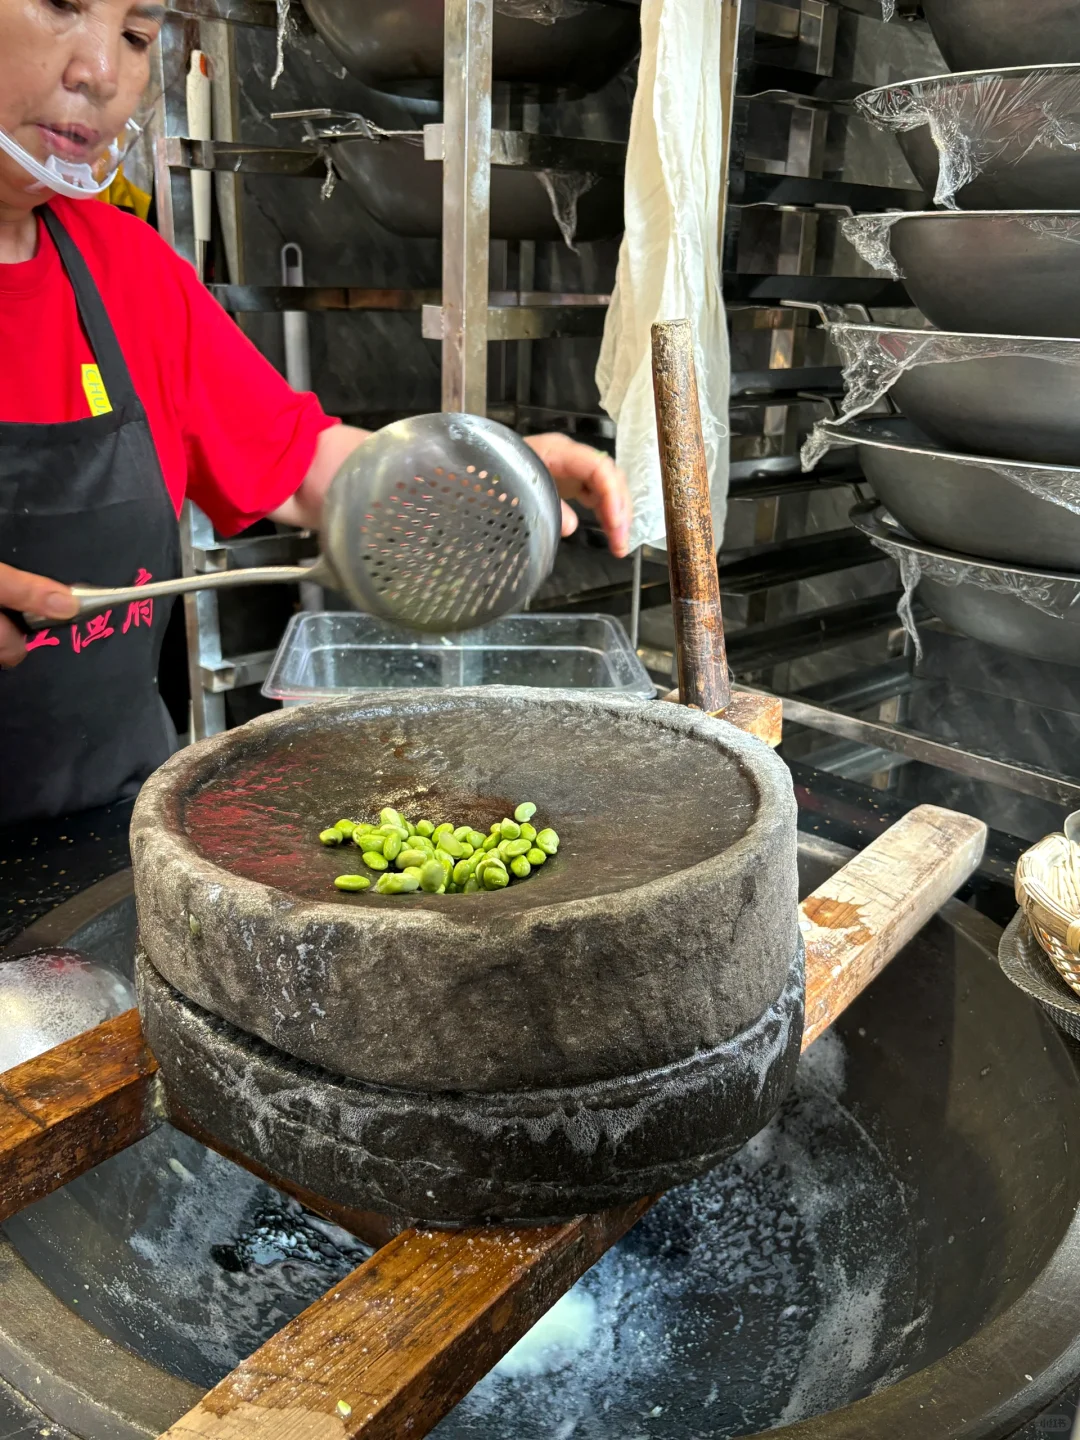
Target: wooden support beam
x: 73, y: 1107
x: 863, y: 915
x: 389, y: 1351
x: 759, y: 715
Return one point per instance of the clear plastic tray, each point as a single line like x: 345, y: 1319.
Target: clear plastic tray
x: 329, y: 654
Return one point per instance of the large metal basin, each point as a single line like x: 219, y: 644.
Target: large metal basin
x: 963, y: 502
x: 1004, y: 271
x: 1022, y: 404
x: 987, y: 602
x: 985, y: 34
x: 403, y: 191
x: 387, y: 42
x: 896, y: 1256
x: 1026, y: 159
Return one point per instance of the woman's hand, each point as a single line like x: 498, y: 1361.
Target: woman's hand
x: 34, y: 595
x: 592, y: 478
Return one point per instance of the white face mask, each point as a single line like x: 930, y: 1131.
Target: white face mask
x: 68, y: 177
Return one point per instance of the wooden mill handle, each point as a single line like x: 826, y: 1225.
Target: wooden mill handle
x: 695, y: 585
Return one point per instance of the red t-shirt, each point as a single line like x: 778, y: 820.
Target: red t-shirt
x: 230, y: 432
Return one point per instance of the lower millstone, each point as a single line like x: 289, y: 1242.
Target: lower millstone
x: 457, y: 1158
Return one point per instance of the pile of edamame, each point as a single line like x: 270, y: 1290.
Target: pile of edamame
x: 442, y: 859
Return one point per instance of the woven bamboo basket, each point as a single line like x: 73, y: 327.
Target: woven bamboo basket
x: 1048, y: 892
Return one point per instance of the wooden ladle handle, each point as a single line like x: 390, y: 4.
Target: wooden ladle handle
x: 695, y: 585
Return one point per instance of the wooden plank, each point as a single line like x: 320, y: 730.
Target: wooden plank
x: 867, y: 912
x: 73, y: 1107
x: 759, y: 715
x: 395, y: 1345
x: 389, y: 1351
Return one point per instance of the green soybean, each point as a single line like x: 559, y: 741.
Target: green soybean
x: 396, y: 885
x: 443, y: 859
x: 432, y: 876
x: 352, y: 882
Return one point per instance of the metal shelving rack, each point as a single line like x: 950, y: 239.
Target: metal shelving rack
x: 465, y: 316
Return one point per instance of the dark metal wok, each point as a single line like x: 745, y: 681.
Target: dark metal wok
x: 980, y: 34
x: 1018, y: 126
x: 1012, y: 272
x: 403, y: 191
x: 966, y: 503
x: 386, y: 42
x: 987, y: 602
x: 1022, y: 403
x: 922, y: 1187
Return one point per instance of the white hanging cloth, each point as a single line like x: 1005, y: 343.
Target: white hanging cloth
x: 670, y: 260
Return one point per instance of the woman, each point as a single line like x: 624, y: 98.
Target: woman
x: 126, y: 389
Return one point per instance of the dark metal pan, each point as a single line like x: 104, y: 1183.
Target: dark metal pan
x: 980, y: 34
x: 1013, y: 396
x: 582, y: 45
x: 1016, y: 125
x: 403, y: 191
x: 1016, y: 272
x: 991, y: 603
x: 968, y: 503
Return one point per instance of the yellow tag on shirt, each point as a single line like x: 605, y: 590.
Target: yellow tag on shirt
x: 97, y: 397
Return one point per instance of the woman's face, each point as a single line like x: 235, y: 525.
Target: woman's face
x: 72, y: 73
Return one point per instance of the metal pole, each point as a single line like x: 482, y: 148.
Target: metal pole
x: 635, y: 600
x: 466, y: 202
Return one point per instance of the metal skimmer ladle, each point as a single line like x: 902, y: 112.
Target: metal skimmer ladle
x: 439, y: 522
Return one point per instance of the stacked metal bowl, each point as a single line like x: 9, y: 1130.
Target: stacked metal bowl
x: 979, y: 478
x: 394, y: 48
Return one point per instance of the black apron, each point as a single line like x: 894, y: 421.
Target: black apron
x: 85, y: 502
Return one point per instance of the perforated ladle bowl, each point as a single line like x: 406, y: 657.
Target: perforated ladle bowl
x: 439, y: 522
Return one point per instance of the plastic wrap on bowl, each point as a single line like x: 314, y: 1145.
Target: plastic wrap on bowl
x: 544, y: 12
x: 875, y: 356
x: 1054, y: 483
x: 1055, y: 596
x: 982, y: 118
x: 871, y: 235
